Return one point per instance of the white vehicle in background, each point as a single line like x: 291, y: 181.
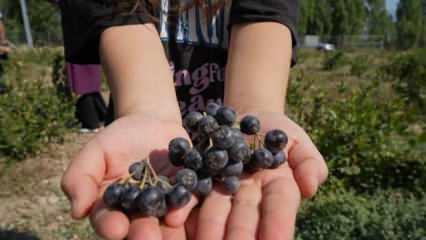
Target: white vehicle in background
x: 326, y: 47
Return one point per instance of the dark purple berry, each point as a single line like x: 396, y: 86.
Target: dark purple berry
x: 233, y: 169
x: 207, y: 125
x: 226, y: 116
x: 191, y: 121
x: 216, y: 159
x: 262, y: 158
x: 178, y: 197
x: 240, y: 152
x: 223, y: 138
x: 231, y: 184
x: 211, y: 108
x: 237, y: 134
x: 137, y: 170
x: 162, y: 210
x: 187, y: 178
x: 250, y: 125
x: 207, y: 172
x: 193, y: 160
x: 251, y: 167
x: 201, y: 142
x: 204, y: 186
x: 276, y: 140
x: 279, y: 159
x: 178, y: 147
x: 112, y: 195
x: 128, y: 198
x: 149, y: 201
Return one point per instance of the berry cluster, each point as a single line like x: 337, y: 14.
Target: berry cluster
x: 146, y: 193
x: 219, y: 154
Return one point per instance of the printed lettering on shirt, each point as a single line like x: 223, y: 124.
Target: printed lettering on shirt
x: 200, y: 78
x: 197, y: 103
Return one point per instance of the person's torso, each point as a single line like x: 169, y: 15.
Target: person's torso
x: 197, y: 51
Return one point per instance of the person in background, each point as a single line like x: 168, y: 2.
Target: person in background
x: 4, y: 53
x: 85, y: 80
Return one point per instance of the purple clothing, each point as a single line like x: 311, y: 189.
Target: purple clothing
x: 84, y: 79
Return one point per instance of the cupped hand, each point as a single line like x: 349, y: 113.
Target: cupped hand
x: 105, y: 159
x: 267, y: 203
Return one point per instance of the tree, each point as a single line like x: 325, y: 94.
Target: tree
x: 378, y: 17
x: 44, y: 18
x: 411, y: 31
x: 315, y: 17
x: 332, y: 17
x: 379, y: 21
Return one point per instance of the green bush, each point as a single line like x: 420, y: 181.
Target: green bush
x: 334, y: 60
x: 359, y: 66
x: 366, y: 141
x: 31, y: 117
x: 408, y: 75
x: 34, y: 112
x: 387, y: 216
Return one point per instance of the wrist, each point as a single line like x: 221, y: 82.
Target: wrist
x: 257, y: 107
x: 163, y: 113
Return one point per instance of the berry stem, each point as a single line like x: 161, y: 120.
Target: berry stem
x: 145, y: 175
x: 165, y: 182
x: 126, y: 179
x: 152, y: 172
x: 259, y: 140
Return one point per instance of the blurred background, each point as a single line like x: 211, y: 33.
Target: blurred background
x: 359, y: 89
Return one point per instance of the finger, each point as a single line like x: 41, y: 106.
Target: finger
x: 310, y: 169
x: 213, y: 216
x: 177, y: 217
x: 145, y: 228
x: 171, y: 233
x: 280, y: 203
x: 82, y: 179
x: 192, y: 223
x: 309, y: 175
x: 243, y: 220
x: 109, y: 224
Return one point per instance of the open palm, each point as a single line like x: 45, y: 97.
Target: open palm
x: 105, y: 159
x: 266, y: 205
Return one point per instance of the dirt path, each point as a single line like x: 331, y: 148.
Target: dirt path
x: 32, y: 205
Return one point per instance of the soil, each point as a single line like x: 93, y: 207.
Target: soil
x: 32, y: 205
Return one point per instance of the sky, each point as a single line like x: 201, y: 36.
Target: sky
x: 391, y: 6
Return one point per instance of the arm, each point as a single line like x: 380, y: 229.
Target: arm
x: 148, y: 118
x: 257, y: 79
x: 258, y: 67
x: 256, y: 82
x: 138, y: 72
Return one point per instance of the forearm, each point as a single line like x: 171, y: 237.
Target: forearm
x: 138, y: 72
x: 258, y: 67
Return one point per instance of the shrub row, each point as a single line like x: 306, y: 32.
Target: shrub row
x: 383, y: 216
x: 33, y: 112
x: 367, y: 141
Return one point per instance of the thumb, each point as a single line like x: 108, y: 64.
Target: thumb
x: 81, y: 181
x: 310, y: 169
x: 308, y: 165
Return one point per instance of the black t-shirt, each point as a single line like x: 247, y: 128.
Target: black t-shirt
x: 196, y: 47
